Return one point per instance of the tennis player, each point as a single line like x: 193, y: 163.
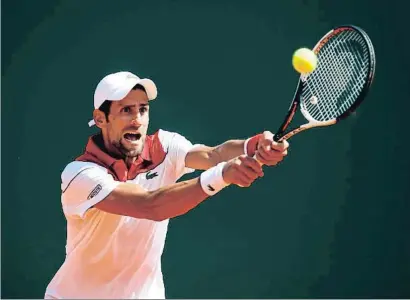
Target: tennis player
x: 119, y: 195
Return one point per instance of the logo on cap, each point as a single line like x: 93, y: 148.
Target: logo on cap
x: 131, y: 76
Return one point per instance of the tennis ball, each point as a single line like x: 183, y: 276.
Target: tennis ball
x: 304, y: 60
x: 313, y: 100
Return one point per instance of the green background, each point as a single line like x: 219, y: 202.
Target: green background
x: 331, y: 221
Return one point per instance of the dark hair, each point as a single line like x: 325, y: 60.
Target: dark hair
x: 105, y: 107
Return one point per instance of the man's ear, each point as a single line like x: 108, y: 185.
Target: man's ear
x: 99, y: 118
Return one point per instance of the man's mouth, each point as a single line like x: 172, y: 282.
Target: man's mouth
x: 132, y: 136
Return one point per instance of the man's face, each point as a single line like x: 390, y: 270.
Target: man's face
x: 126, y: 129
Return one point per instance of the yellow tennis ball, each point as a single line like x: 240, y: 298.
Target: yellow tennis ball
x: 304, y: 60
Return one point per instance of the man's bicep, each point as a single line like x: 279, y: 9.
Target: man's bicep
x: 200, y: 157
x: 123, y: 200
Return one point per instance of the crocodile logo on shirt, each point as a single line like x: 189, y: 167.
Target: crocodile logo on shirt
x: 151, y: 175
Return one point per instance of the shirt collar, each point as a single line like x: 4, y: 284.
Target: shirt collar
x: 95, y: 148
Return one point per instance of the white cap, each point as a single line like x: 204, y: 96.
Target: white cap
x: 116, y: 86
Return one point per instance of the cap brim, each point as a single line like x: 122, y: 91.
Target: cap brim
x: 122, y: 92
x: 150, y: 88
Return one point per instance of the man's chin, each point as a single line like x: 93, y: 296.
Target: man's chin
x: 132, y: 153
x: 131, y: 150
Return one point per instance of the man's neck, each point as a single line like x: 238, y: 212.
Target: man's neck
x: 99, y: 140
x: 129, y: 161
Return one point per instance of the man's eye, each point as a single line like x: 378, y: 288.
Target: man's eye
x: 143, y: 110
x: 126, y: 109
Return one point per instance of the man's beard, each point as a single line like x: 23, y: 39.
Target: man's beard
x: 130, y: 153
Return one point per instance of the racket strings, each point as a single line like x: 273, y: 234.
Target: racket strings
x: 339, y: 78
x: 338, y: 82
x: 342, y: 73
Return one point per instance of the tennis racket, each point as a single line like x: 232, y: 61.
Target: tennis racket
x: 338, y: 85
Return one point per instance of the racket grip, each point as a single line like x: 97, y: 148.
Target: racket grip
x: 277, y: 138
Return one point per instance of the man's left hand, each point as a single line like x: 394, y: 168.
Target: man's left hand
x: 269, y: 152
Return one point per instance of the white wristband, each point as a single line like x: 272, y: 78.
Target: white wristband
x: 212, y: 180
x: 245, y: 145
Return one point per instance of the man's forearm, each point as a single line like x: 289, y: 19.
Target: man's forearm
x: 227, y: 151
x: 234, y: 148
x: 204, y: 157
x: 174, y: 200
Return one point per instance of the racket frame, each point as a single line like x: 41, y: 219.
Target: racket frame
x: 281, y: 133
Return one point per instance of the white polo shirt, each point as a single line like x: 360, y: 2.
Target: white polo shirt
x: 111, y: 256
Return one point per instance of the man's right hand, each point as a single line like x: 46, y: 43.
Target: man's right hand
x: 242, y: 171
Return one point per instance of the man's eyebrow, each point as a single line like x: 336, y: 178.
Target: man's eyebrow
x: 134, y: 105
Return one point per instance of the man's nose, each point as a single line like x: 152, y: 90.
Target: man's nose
x: 136, y: 119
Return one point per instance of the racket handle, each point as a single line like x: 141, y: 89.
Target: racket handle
x: 277, y: 137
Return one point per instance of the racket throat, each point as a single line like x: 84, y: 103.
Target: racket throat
x: 304, y: 127
x: 291, y: 133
